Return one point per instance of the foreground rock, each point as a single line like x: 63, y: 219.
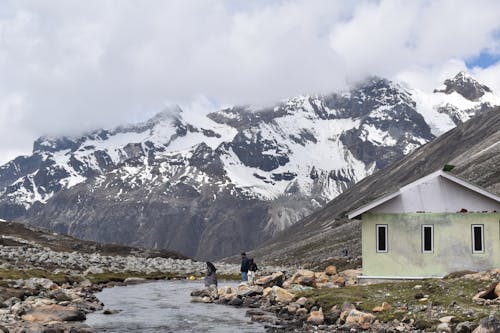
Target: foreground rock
x: 44, y: 306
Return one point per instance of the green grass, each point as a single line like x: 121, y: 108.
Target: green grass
x: 12, y: 274
x: 231, y: 277
x: 106, y: 277
x: 101, y: 278
x: 401, y: 295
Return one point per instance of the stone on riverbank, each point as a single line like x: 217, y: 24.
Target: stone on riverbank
x: 359, y: 318
x: 331, y: 270
x: 275, y: 279
x: 282, y: 295
x: 53, y: 312
x: 489, y: 324
x: 316, y: 317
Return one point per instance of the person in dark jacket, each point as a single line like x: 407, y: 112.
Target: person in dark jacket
x: 245, y: 265
x: 210, y: 276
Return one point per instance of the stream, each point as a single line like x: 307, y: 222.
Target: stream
x: 165, y: 306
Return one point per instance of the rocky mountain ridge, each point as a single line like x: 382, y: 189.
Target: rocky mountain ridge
x: 213, y: 185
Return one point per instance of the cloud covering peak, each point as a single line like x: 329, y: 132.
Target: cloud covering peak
x: 69, y: 66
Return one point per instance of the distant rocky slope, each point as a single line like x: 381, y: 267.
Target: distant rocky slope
x: 473, y: 147
x: 19, y: 235
x: 212, y: 185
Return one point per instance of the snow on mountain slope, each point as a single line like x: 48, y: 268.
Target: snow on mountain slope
x: 455, y: 102
x: 260, y: 168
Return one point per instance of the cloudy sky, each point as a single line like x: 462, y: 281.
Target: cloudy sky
x: 69, y: 66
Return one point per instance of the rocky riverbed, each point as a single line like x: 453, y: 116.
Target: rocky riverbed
x: 329, y: 302
x: 48, y: 281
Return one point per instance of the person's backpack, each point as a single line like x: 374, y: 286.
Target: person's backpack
x: 253, y: 266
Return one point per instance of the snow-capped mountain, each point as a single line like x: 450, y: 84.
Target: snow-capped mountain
x: 455, y: 102
x: 212, y: 185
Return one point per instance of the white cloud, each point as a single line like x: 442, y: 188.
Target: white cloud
x: 489, y: 76
x: 76, y: 65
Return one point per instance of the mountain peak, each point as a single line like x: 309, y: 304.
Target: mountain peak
x: 169, y: 113
x: 464, y: 84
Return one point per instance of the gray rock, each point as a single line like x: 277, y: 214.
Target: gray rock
x: 489, y: 324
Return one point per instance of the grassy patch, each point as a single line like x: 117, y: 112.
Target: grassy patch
x: 121, y: 276
x: 445, y: 297
x: 60, y: 278
x: 231, y: 277
x: 14, y: 274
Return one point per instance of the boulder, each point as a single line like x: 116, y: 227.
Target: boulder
x: 282, y: 295
x: 53, y: 312
x: 303, y: 277
x: 202, y: 292
x: 201, y: 299
x: 93, y: 270
x: 489, y: 324
x: 236, y: 301
x: 331, y: 270
x: 297, y: 288
x: 443, y: 328
x: 301, y: 312
x: 263, y: 318
x: 362, y: 319
x: 267, y: 291
x: 316, y: 317
x: 339, y: 281
x: 332, y: 316
x: 465, y: 327
x: 301, y: 301
x: 226, y: 290
x: 275, y: 279
x: 384, y: 307
x: 247, y: 293
x: 321, y: 277
x: 85, y: 283
x: 350, y: 276
x: 490, y: 293
x: 327, y: 285
x: 292, y: 308
x: 38, y: 283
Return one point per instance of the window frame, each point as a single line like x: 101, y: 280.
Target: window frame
x: 473, y: 238
x: 423, y: 238
x: 377, y: 228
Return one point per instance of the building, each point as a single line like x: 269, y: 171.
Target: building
x: 429, y: 228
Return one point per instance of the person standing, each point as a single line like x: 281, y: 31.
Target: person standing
x: 245, y: 265
x: 211, y: 275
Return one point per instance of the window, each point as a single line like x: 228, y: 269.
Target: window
x: 477, y: 238
x: 382, y: 245
x: 427, y: 238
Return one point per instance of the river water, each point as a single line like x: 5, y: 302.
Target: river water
x: 165, y: 306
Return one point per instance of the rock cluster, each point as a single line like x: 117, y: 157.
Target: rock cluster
x: 31, y: 256
x: 275, y: 300
x: 40, y: 305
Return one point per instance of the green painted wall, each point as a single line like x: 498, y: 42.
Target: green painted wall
x: 452, y: 244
